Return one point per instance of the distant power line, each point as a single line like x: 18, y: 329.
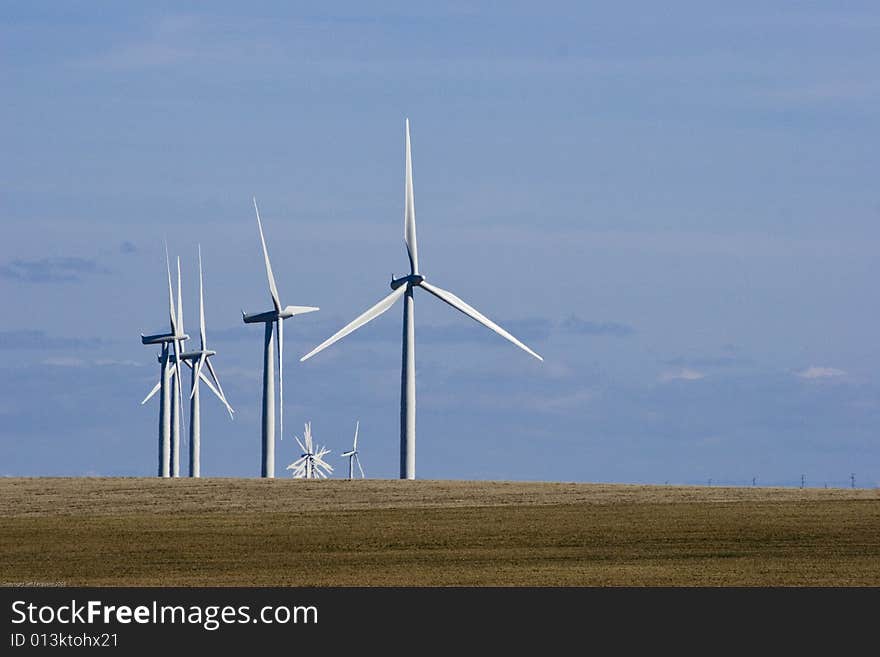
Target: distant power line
x: 801, y: 482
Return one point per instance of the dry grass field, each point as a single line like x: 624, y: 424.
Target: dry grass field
x: 237, y: 532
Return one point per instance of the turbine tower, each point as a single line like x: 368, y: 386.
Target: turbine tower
x: 173, y: 340
x: 196, y: 360
x: 403, y: 287
x: 353, y: 455
x: 274, y: 321
x: 176, y: 397
x: 311, y: 463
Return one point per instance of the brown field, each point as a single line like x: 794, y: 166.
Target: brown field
x: 238, y: 532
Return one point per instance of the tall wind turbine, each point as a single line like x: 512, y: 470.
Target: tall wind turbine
x: 274, y: 321
x: 172, y: 340
x: 352, y: 455
x: 403, y: 287
x: 196, y: 360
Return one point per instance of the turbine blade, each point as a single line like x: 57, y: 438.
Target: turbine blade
x: 217, y: 393
x: 177, y: 350
x: 196, y: 371
x: 152, y: 392
x: 307, y: 437
x: 202, y: 339
x: 301, y: 446
x: 273, y: 289
x: 362, y: 319
x: 216, y: 379
x: 358, y: 461
x: 179, y: 300
x: 279, y: 323
x: 299, y: 310
x: 171, y: 312
x: 475, y: 314
x: 356, y: 427
x: 409, y: 212
x: 176, y: 374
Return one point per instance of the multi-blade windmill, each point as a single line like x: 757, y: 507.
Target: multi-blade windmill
x: 403, y: 287
x: 311, y: 463
x: 352, y: 455
x: 169, y: 406
x: 274, y: 321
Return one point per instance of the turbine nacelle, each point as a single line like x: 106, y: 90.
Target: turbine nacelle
x: 195, y: 355
x: 190, y: 355
x: 272, y: 315
x: 163, y: 338
x: 412, y: 279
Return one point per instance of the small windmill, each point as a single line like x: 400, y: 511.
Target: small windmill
x: 311, y: 463
x: 353, y: 455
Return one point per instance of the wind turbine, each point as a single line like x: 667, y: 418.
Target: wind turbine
x: 353, y: 455
x: 196, y: 360
x: 311, y: 463
x: 169, y: 409
x: 403, y: 287
x: 274, y: 321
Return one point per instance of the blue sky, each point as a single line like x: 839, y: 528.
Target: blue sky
x: 675, y: 205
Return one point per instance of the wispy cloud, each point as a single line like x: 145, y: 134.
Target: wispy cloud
x: 814, y: 372
x: 113, y: 362
x: 39, y: 340
x: 64, y: 361
x: 534, y: 329
x: 574, y: 324
x: 72, y: 361
x: 705, y: 361
x: 169, y: 41
x: 564, y: 402
x: 683, y: 374
x: 51, y: 270
x: 531, y: 330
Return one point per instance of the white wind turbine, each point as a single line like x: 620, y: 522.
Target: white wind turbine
x: 311, y: 463
x: 274, y: 321
x: 352, y: 455
x: 171, y: 372
x: 169, y: 407
x: 403, y: 287
x: 196, y: 360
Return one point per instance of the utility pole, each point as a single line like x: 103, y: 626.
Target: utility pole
x: 803, y: 480
x: 852, y: 480
x: 753, y: 480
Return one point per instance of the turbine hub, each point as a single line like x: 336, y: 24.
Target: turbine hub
x: 413, y: 279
